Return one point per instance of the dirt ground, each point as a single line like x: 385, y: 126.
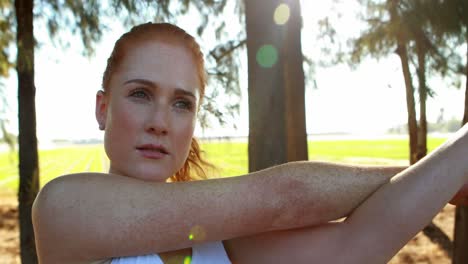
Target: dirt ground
x: 9, y: 234
x: 418, y: 250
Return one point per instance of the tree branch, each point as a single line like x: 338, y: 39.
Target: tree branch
x: 223, y: 51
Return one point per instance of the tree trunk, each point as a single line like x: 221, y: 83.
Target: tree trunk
x: 28, y: 157
x: 412, y: 122
x: 403, y: 54
x: 460, y: 243
x: 277, y: 131
x: 422, y: 129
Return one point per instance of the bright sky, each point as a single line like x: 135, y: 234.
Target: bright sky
x: 369, y: 99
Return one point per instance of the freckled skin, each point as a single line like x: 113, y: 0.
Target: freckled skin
x: 280, y: 215
x: 155, y: 116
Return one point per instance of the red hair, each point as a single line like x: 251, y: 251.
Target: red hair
x: 194, y: 166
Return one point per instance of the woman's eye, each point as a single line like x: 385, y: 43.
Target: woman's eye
x: 139, y: 94
x: 182, y: 104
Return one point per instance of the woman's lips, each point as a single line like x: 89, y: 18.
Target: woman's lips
x: 152, y: 151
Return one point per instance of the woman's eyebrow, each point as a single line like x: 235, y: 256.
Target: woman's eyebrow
x: 141, y: 81
x: 179, y: 91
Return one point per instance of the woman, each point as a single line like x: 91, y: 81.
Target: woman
x: 153, y: 87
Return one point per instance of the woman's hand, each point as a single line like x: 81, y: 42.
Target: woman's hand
x: 461, y: 198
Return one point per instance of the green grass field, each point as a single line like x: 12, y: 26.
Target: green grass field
x: 229, y: 157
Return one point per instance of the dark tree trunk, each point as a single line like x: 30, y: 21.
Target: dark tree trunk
x: 28, y: 157
x: 460, y: 243
x: 403, y: 54
x: 422, y: 129
x: 277, y: 131
x: 412, y: 122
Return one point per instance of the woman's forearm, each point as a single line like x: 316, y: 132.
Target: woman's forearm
x: 404, y: 205
x: 317, y: 192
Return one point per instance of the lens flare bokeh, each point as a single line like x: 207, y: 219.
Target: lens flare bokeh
x: 267, y: 56
x: 281, y: 15
x: 197, y: 233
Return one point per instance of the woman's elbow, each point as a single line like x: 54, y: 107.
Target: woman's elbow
x: 45, y: 213
x: 47, y: 199
x: 49, y: 207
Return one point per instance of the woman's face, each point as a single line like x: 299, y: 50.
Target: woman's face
x: 150, y: 110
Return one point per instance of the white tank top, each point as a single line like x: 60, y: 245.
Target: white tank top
x: 205, y: 253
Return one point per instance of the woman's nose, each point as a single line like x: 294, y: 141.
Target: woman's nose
x: 158, y: 121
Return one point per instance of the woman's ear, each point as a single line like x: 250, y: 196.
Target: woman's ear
x: 101, y: 109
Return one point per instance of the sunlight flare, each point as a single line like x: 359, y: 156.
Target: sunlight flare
x: 197, y: 233
x: 281, y: 15
x: 267, y: 56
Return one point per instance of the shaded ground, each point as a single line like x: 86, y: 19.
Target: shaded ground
x: 418, y: 250
x: 9, y: 233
